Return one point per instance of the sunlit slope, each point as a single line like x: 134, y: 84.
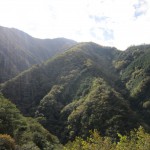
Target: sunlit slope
x: 85, y: 59
x: 19, y: 51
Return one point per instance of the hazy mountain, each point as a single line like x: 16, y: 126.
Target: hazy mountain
x: 19, y: 51
x: 79, y: 90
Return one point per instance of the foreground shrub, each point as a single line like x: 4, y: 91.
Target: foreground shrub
x: 6, y: 142
x: 136, y: 140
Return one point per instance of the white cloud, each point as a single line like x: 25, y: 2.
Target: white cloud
x: 141, y: 8
x: 119, y: 23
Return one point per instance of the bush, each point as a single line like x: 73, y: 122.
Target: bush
x: 6, y: 142
x: 136, y: 140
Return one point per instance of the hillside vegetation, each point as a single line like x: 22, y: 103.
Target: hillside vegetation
x: 135, y: 73
x: 75, y: 92
x: 19, y: 51
x: 88, y: 87
x: 138, y: 139
x: 22, y: 132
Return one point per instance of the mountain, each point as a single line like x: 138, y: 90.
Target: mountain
x: 27, y: 133
x: 76, y: 91
x: 133, y: 66
x: 19, y: 51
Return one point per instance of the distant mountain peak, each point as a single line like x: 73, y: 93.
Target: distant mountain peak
x: 19, y: 51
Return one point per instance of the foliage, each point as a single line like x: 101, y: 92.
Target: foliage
x: 23, y: 130
x: 138, y: 139
x: 136, y: 77
x: 95, y: 141
x: 120, y: 64
x: 102, y: 109
x: 7, y: 142
x: 85, y: 88
x: 44, y: 90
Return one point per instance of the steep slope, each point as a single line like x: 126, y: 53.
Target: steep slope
x: 134, y: 68
x: 19, y: 51
x: 102, y: 108
x: 67, y: 68
x: 27, y: 132
x: 76, y: 91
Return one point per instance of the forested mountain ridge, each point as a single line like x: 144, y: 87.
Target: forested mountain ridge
x: 74, y: 87
x: 61, y: 69
x: 19, y: 51
x: 79, y: 90
x: 133, y: 66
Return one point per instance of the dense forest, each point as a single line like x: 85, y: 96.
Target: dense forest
x: 19, y: 132
x: 82, y: 95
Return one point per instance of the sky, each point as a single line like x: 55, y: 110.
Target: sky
x: 116, y: 23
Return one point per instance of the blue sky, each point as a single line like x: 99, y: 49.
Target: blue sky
x: 119, y: 23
